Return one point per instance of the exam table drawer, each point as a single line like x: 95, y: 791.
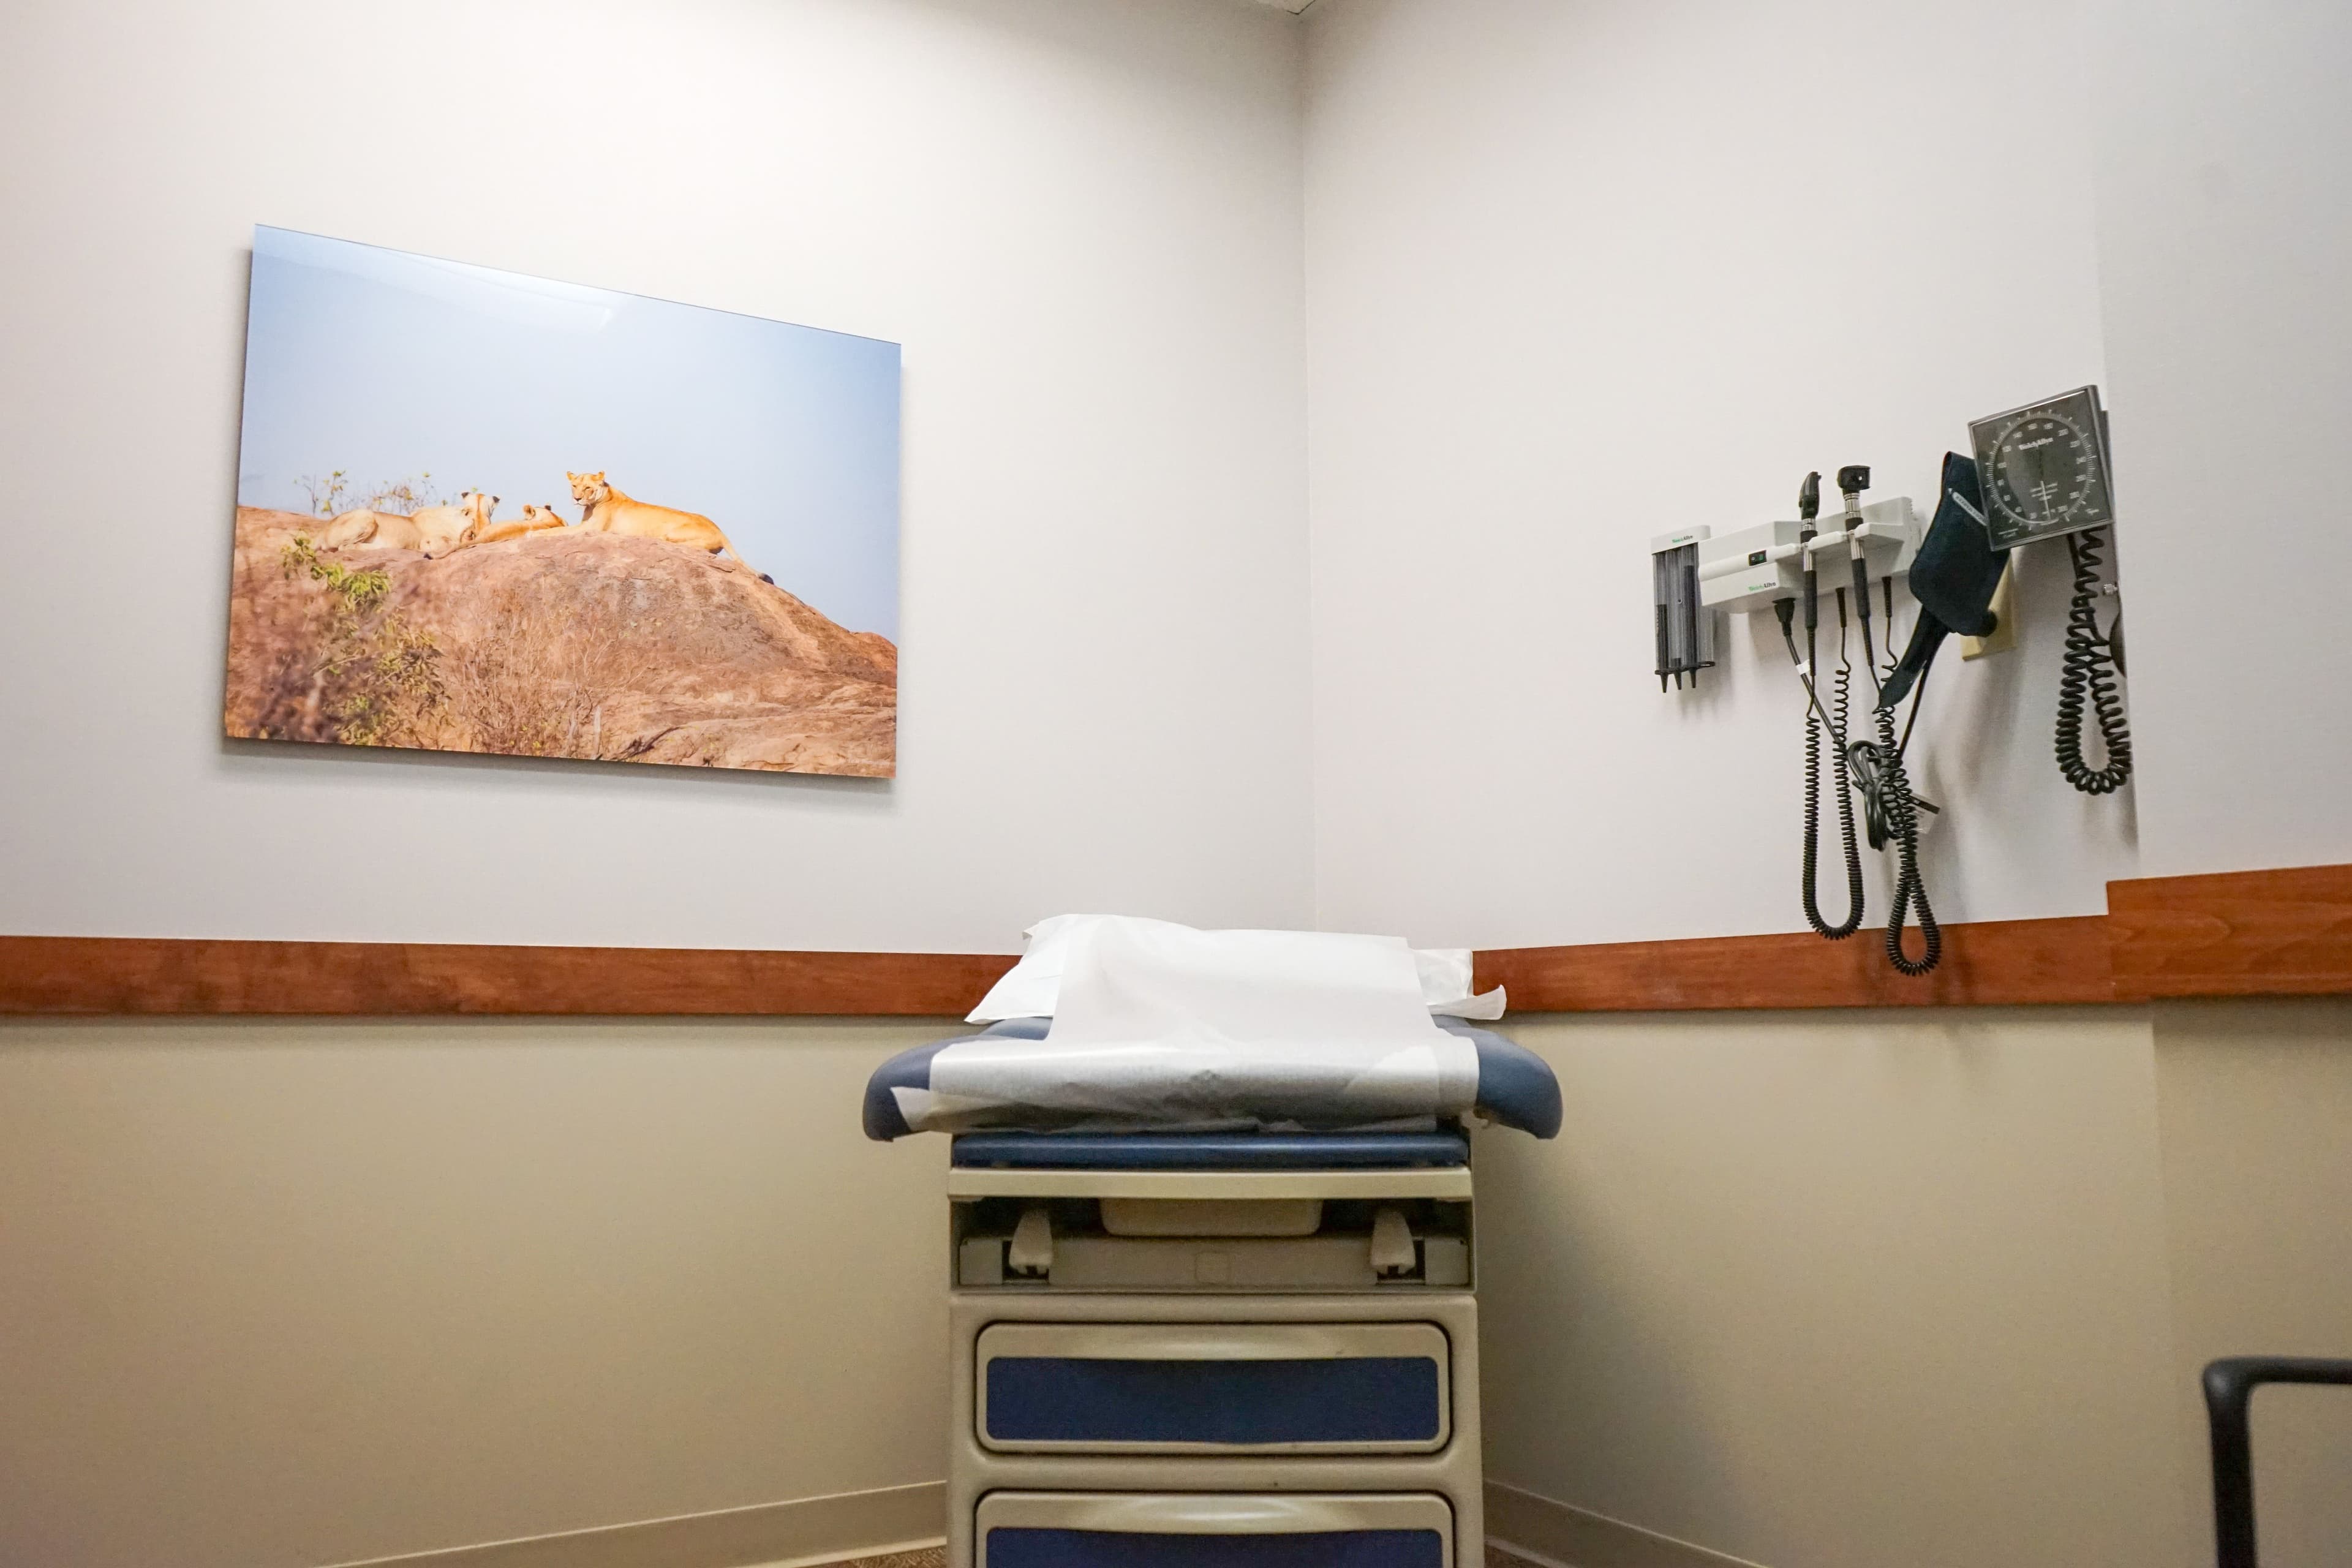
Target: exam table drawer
x: 1063, y: 1530
x: 1213, y: 1388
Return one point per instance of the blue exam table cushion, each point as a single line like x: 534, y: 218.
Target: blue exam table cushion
x: 1212, y: 1151
x: 1516, y: 1088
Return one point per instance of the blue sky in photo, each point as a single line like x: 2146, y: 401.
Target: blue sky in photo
x: 386, y: 365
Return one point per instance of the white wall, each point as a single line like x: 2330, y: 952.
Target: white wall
x: 2223, y: 152
x: 1081, y: 220
x: 1581, y: 275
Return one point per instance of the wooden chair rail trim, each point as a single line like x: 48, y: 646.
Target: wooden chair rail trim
x: 1991, y: 962
x: 2232, y: 933
x: 49, y: 974
x: 2243, y: 933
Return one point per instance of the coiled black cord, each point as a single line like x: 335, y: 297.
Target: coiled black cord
x: 1893, y: 657
x: 1854, y: 889
x: 1870, y: 778
x: 1894, y: 813
x: 1879, y: 767
x: 1816, y: 718
x: 2089, y: 679
x: 1836, y: 721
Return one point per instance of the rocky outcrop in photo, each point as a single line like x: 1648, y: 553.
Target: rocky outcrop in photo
x: 560, y: 644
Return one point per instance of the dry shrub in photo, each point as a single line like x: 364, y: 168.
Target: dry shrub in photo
x: 337, y: 492
x: 337, y: 663
x: 546, y: 674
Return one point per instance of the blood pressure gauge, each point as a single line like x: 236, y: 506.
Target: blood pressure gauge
x: 2045, y: 468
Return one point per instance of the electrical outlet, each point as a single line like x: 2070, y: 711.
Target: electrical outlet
x: 2004, y: 607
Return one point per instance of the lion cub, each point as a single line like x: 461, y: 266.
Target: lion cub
x: 605, y: 510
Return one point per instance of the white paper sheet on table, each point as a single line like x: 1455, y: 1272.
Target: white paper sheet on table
x: 1031, y: 988
x: 1160, y: 1025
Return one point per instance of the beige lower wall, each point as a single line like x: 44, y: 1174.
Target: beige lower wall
x: 1840, y: 1291
x: 288, y: 1294
x: 2255, y: 1105
x: 1813, y: 1290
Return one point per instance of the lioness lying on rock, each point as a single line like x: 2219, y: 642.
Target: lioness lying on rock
x: 433, y: 528
x: 605, y: 510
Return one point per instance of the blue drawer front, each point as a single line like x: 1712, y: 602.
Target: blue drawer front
x: 1356, y: 1399
x: 1122, y: 1549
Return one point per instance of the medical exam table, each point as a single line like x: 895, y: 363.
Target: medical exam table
x: 1254, y: 1348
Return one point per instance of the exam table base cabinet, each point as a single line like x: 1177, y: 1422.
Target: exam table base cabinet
x: 1298, y: 1425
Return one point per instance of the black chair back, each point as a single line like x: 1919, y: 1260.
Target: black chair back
x: 2230, y: 1386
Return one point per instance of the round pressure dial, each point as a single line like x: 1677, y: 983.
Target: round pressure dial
x: 2045, y: 468
x: 2041, y: 468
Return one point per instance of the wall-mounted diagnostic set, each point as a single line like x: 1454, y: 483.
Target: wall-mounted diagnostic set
x: 2037, y: 472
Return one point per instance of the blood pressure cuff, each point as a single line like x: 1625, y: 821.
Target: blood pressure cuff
x: 1953, y: 577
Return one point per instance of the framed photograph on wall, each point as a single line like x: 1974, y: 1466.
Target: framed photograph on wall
x: 478, y: 511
